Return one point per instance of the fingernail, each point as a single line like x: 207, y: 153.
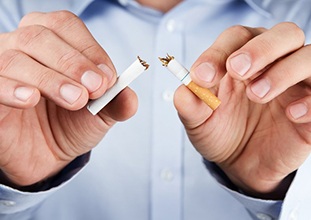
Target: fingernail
x: 108, y: 72
x: 240, y: 64
x: 23, y: 93
x: 205, y: 72
x: 298, y: 110
x: 70, y: 93
x: 261, y: 88
x: 91, y: 80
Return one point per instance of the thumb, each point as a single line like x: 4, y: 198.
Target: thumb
x: 192, y: 111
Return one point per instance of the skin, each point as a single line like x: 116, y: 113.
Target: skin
x: 42, y: 133
x: 257, y: 139
x: 160, y: 5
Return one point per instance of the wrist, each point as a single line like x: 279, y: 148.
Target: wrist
x: 42, y: 185
x: 63, y: 175
x: 258, y: 188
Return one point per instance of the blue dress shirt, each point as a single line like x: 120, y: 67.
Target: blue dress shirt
x: 146, y: 168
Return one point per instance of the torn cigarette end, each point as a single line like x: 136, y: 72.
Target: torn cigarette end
x: 184, y: 76
x: 165, y: 60
x: 129, y: 75
x: 143, y: 63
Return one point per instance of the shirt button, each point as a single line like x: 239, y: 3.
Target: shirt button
x: 7, y: 203
x: 263, y: 216
x: 171, y: 25
x: 168, y: 95
x: 167, y: 175
x: 123, y: 2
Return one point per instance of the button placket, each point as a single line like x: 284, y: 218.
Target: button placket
x: 167, y: 149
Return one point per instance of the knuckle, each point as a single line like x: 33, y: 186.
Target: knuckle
x: 27, y: 36
x: 71, y: 62
x: 219, y: 53
x: 91, y: 50
x: 28, y: 19
x: 238, y: 30
x: 7, y: 59
x: 291, y: 28
x: 44, y: 79
x: 61, y: 19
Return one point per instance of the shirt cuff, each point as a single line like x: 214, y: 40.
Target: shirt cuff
x: 258, y: 208
x: 13, y: 201
x: 298, y: 198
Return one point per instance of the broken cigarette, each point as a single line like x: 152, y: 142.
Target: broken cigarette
x: 184, y: 76
x: 129, y: 75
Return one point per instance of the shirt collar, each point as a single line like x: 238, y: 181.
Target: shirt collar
x: 126, y: 2
x: 267, y: 8
x: 76, y: 6
x: 293, y: 10
x: 261, y: 6
x: 80, y: 5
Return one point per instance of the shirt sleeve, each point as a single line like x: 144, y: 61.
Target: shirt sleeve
x: 257, y: 208
x: 17, y: 204
x: 296, y: 204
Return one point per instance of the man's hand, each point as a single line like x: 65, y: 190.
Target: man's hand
x: 260, y: 134
x: 49, y: 68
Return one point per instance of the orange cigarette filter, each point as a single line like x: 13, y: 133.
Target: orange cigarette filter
x: 184, y: 76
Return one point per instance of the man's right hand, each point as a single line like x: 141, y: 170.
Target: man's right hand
x: 50, y: 66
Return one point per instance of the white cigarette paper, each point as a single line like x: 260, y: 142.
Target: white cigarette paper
x: 129, y: 75
x: 184, y: 76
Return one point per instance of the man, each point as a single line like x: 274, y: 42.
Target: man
x: 256, y: 144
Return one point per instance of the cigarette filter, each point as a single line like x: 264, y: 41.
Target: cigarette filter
x: 184, y: 76
x: 129, y: 75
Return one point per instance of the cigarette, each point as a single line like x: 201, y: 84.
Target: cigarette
x: 184, y: 76
x: 129, y: 75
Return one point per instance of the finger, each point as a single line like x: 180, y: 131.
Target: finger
x: 61, y: 41
x: 211, y: 65
x: 52, y: 85
x: 299, y: 111
x: 17, y: 95
x: 281, y: 76
x: 192, y: 111
x: 121, y: 108
x: 264, y: 49
x: 68, y: 26
x: 72, y: 30
x: 46, y: 47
